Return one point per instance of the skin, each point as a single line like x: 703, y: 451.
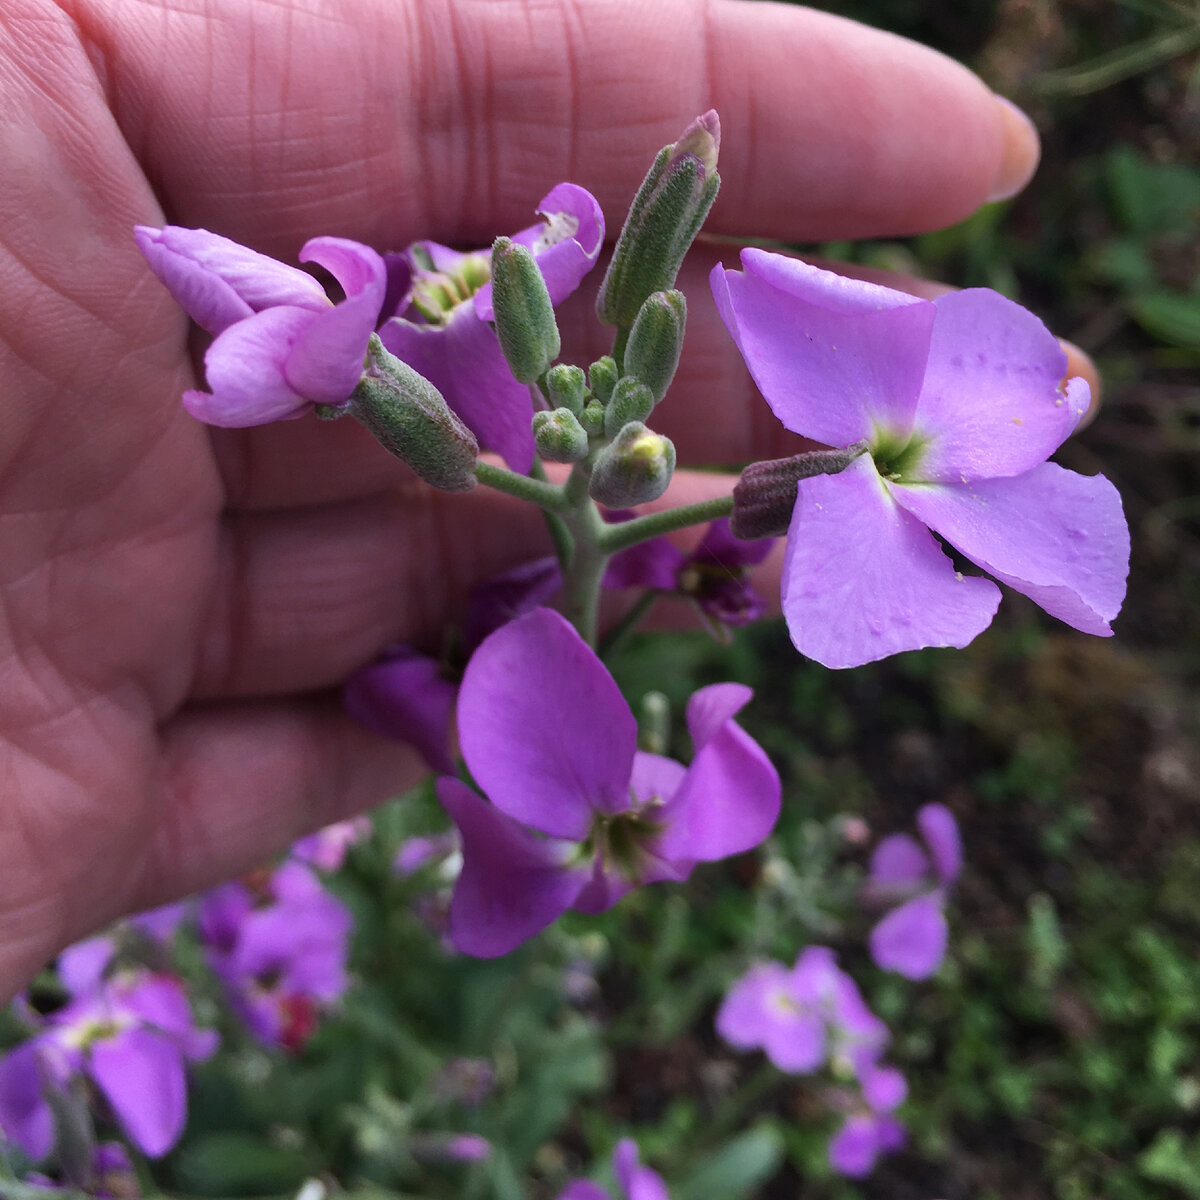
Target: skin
x: 181, y: 603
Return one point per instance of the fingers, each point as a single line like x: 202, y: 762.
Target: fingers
x: 391, y: 119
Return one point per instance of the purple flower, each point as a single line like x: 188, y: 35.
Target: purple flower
x: 281, y: 345
x: 421, y: 850
x: 802, y: 1017
x: 327, y: 848
x: 578, y: 815
x: 409, y: 696
x: 870, y: 1129
x: 911, y: 939
x: 714, y: 575
x: 635, y: 1181
x: 442, y: 330
x: 960, y: 403
x: 131, y: 1033
x: 111, y: 1174
x: 280, y: 948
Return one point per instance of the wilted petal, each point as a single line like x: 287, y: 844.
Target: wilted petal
x: 863, y: 579
x: 940, y: 831
x: 544, y: 729
x: 25, y: 1117
x: 513, y: 883
x: 405, y: 696
x: 141, y: 1074
x: 835, y: 358
x: 463, y: 360
x: 911, y: 940
x: 1058, y: 537
x: 991, y: 402
x: 245, y: 370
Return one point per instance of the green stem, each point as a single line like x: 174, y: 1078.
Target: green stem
x: 615, y: 637
x: 548, y: 496
x: 587, y: 568
x: 560, y: 535
x: 641, y: 529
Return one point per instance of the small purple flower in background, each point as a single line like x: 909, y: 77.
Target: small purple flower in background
x: 281, y: 345
x: 870, y: 1130
x: 714, y: 575
x: 280, y: 947
x: 635, y: 1181
x: 960, y: 404
x: 409, y: 696
x: 421, y: 850
x: 578, y: 815
x: 327, y: 848
x: 130, y: 1032
x: 911, y: 939
x: 441, y: 328
x: 802, y: 1017
x: 111, y: 1175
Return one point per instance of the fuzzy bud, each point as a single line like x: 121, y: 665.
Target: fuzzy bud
x: 602, y: 378
x: 408, y: 415
x: 631, y: 400
x: 567, y: 387
x: 656, y: 341
x: 765, y: 495
x: 524, y: 312
x: 559, y: 437
x: 592, y: 418
x: 633, y: 469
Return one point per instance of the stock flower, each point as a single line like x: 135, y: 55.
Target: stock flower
x: 130, y: 1032
x: 960, y: 403
x: 714, y: 575
x: 442, y: 330
x: 870, y: 1129
x: 327, y: 848
x: 578, y: 815
x: 911, y: 939
x: 803, y: 1016
x: 281, y: 345
x: 279, y: 945
x: 635, y: 1181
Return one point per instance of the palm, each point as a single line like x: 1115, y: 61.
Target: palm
x: 179, y: 603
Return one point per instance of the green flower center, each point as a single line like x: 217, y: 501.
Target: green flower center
x: 898, y: 457
x: 436, y: 294
x: 617, y: 838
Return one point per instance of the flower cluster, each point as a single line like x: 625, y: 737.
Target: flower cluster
x: 635, y: 1181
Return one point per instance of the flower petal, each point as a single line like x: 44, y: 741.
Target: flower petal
x: 834, y: 357
x: 1058, y: 537
x: 463, y: 360
x: 637, y: 1182
x: 911, y: 940
x: 544, y: 729
x: 719, y: 548
x: 855, y: 1148
x: 509, y: 595
x: 940, y: 831
x: 898, y: 860
x: 81, y: 966
x: 513, y: 883
x: 405, y: 696
x: 25, y: 1117
x: 763, y: 1009
x: 651, y: 564
x: 991, y: 401
x: 884, y: 1088
x: 245, y: 369
x: 584, y: 1189
x: 862, y: 579
x: 160, y: 1001
x: 141, y: 1074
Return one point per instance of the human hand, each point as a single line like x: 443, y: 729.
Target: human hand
x: 179, y: 600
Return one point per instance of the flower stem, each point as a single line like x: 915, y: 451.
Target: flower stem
x: 548, y: 496
x: 631, y: 533
x: 616, y: 636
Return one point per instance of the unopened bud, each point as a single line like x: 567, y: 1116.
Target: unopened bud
x: 408, y: 415
x: 634, y: 468
x: 765, y: 495
x: 654, y: 727
x: 524, y: 312
x: 602, y: 378
x: 631, y: 400
x: 559, y: 437
x: 567, y: 387
x: 656, y: 341
x: 592, y: 418
x: 666, y: 214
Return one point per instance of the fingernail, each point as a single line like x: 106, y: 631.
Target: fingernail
x: 1022, y: 149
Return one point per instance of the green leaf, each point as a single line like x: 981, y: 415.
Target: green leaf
x: 1172, y: 317
x: 736, y: 1168
x: 239, y: 1164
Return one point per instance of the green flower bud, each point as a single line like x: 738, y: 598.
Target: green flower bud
x: 525, y: 321
x: 654, y: 724
x: 631, y: 400
x: 634, y: 468
x: 407, y: 414
x: 666, y: 214
x: 765, y: 495
x: 567, y: 387
x: 602, y: 378
x: 592, y: 418
x: 559, y: 436
x: 656, y: 341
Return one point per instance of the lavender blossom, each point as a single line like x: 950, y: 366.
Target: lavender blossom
x: 577, y: 815
x: 635, y: 1181
x: 960, y: 403
x: 911, y: 939
x: 442, y: 329
x: 281, y: 345
x: 130, y: 1032
x: 870, y: 1130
